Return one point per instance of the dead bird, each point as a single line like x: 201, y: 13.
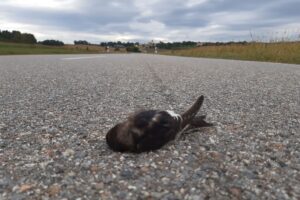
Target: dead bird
x: 151, y: 129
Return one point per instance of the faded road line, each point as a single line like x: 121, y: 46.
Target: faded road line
x: 78, y: 58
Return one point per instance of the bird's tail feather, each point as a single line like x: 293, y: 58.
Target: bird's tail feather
x: 189, y: 115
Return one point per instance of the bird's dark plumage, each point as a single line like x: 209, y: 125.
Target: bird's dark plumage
x: 151, y: 129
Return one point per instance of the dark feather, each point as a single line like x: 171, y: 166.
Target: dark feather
x: 199, y: 122
x: 161, y: 129
x: 189, y: 115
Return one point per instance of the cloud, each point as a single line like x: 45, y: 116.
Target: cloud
x: 148, y: 27
x: 135, y: 20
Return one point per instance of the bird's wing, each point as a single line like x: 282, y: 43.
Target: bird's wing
x: 160, y: 129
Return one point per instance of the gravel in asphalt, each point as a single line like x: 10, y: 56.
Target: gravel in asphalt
x: 56, y: 109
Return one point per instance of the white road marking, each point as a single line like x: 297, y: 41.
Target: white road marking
x: 85, y: 57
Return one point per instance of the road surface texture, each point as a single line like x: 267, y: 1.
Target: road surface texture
x: 55, y: 112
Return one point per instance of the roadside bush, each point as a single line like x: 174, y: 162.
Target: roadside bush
x: 133, y: 49
x: 52, y: 42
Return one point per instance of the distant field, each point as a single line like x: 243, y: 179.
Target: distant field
x: 15, y: 48
x: 282, y: 52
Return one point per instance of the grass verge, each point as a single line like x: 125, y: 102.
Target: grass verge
x: 16, y: 48
x: 282, y: 52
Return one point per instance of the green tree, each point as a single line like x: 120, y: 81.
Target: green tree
x: 28, y: 38
x: 16, y: 36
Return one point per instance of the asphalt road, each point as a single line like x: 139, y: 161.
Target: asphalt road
x: 55, y: 111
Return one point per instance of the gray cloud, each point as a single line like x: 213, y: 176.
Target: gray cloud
x: 91, y: 16
x: 175, y: 20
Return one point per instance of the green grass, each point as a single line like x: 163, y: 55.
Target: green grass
x: 282, y: 52
x: 22, y: 49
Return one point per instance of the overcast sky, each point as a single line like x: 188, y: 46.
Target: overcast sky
x: 145, y: 20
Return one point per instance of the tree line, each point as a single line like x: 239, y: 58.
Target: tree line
x: 28, y: 38
x: 189, y: 44
x: 176, y: 45
x: 17, y: 36
x: 82, y: 42
x: 119, y: 44
x: 52, y: 43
